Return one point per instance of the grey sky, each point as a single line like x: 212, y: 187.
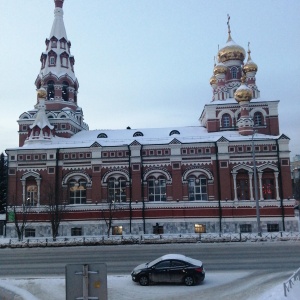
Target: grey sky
x: 143, y: 63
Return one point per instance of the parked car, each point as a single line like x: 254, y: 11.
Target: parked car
x: 170, y: 268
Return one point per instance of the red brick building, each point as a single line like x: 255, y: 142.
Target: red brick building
x: 171, y: 180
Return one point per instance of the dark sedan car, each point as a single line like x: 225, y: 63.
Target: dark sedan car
x: 170, y: 268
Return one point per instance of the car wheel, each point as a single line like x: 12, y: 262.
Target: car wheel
x: 189, y: 280
x: 144, y: 280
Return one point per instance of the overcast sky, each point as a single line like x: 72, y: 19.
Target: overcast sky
x: 147, y: 63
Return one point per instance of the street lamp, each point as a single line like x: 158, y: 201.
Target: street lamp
x: 255, y: 186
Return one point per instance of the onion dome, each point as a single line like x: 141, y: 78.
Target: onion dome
x: 231, y: 50
x: 250, y: 66
x: 220, y: 68
x: 243, y: 93
x: 213, y: 80
x: 41, y: 93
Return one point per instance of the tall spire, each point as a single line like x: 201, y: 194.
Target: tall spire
x: 229, y: 31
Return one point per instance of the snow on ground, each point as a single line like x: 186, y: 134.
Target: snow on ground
x: 123, y: 288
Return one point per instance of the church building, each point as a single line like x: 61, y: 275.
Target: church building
x: 214, y: 177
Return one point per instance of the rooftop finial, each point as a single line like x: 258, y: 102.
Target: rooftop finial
x: 229, y: 31
x: 249, y: 57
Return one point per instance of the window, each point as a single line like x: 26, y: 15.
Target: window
x: 117, y: 230
x: 120, y: 154
x: 76, y: 231
x: 12, y: 157
x: 166, y: 152
x: 199, y: 151
x: 12, y: 171
x: 116, y: 189
x: 258, y: 119
x: 52, y: 61
x: 249, y: 148
x: 184, y: 151
x: 266, y: 148
x: 28, y: 157
x: 245, y: 228
x: 24, y: 127
x: 77, y: 192
x: 224, y: 164
x: 29, y: 232
x: 285, y: 162
x: 62, y: 44
x: 157, y: 229
x: 197, y: 188
x: 225, y: 121
x: 50, y: 90
x: 51, y: 156
x: 88, y: 155
x: 273, y: 227
x: 257, y: 148
x: 163, y: 264
x: 53, y: 44
x: 81, y: 155
x: 268, y: 188
x: 240, y: 149
x: 64, y: 62
x: 66, y: 156
x: 200, y: 228
x: 138, y: 133
x: 32, y: 195
x: 112, y: 154
x: 192, y: 151
x: 157, y: 189
x: 136, y: 167
x: 242, y: 188
x: 174, y: 132
x: 102, y: 136
x: 43, y: 156
x: 73, y: 155
x: 51, y: 170
x: 159, y: 152
x: 274, y: 148
x: 176, y: 166
x: 207, y: 150
x: 96, y: 169
x: 151, y: 152
x: 104, y: 154
x: 65, y: 91
x: 233, y: 73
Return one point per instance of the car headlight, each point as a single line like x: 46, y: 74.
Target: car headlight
x: 136, y: 272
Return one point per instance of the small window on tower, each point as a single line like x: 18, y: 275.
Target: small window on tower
x: 52, y: 61
x: 233, y: 73
x: 53, y: 44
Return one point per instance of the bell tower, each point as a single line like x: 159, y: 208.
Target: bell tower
x: 57, y: 78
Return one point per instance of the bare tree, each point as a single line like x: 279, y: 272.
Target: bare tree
x: 19, y: 215
x: 110, y: 213
x: 56, y: 210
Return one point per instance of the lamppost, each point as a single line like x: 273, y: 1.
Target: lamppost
x: 255, y: 186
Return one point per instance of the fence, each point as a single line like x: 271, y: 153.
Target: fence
x: 289, y: 284
x: 148, y: 239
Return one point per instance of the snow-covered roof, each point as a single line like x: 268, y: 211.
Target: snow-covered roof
x: 233, y: 101
x: 150, y: 136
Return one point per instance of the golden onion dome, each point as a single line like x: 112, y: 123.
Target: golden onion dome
x: 243, y: 93
x: 41, y: 93
x: 220, y: 68
x: 231, y: 50
x: 213, y: 80
x: 250, y: 66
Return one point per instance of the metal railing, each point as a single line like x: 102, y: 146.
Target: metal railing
x: 288, y: 285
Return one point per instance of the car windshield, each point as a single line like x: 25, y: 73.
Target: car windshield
x: 154, y: 262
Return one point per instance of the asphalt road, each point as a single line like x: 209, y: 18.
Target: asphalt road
x: 269, y: 257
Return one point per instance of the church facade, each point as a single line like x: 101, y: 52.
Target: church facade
x: 207, y: 178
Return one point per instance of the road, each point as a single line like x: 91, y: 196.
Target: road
x: 234, y: 270
x: 259, y: 256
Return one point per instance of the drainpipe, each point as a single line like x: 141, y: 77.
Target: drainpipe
x: 142, y: 191
x: 6, y: 201
x: 280, y: 186
x: 130, y: 188
x: 219, y: 188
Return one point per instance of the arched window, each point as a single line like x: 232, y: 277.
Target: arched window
x: 268, y: 188
x: 226, y: 120
x: 258, y: 119
x: 32, y: 195
x: 102, y: 136
x: 157, y: 189
x: 116, y: 189
x: 174, y: 132
x: 138, y: 133
x: 77, y: 191
x: 50, y: 90
x: 65, y: 91
x: 233, y: 73
x: 197, y: 188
